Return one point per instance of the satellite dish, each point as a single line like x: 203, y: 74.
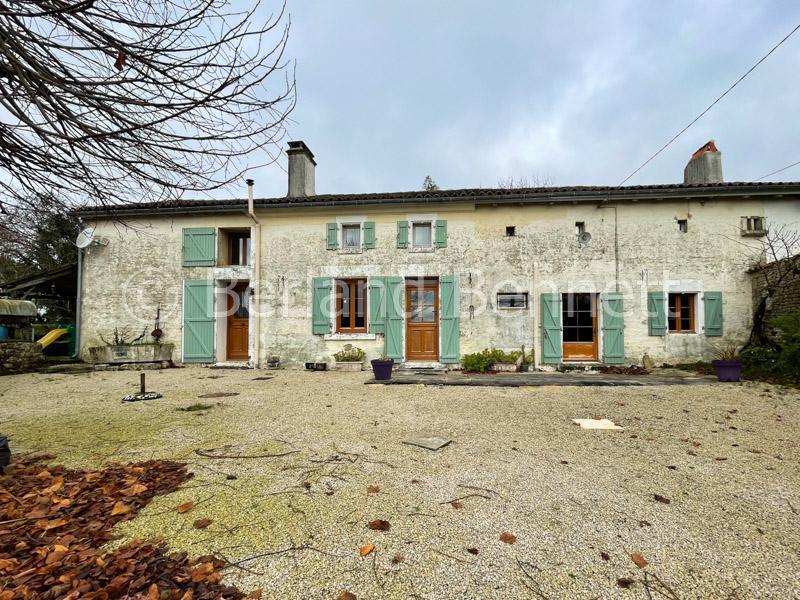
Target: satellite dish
x: 584, y: 238
x: 85, y: 238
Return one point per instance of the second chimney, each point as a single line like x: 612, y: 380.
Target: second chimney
x: 301, y: 170
x: 705, y: 166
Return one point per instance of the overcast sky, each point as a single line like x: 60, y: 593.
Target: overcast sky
x: 581, y: 93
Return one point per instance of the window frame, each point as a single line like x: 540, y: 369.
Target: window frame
x: 352, y: 284
x: 580, y: 228
x: 525, y: 295
x: 676, y: 315
x: 431, y: 226
x: 748, y: 220
x: 511, y: 231
x: 353, y: 225
x: 683, y: 225
x: 238, y: 235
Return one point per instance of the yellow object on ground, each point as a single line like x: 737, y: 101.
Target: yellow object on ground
x: 51, y: 337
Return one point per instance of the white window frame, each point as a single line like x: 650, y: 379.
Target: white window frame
x: 354, y: 221
x: 525, y: 294
x: 421, y: 219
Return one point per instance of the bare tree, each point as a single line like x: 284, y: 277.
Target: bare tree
x: 106, y: 102
x: 776, y: 266
x: 534, y: 181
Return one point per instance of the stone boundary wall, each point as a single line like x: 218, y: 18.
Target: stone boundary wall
x: 787, y: 299
x: 20, y: 357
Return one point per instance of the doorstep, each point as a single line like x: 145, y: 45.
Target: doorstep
x: 418, y: 365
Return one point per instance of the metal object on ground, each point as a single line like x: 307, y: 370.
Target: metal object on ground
x: 138, y: 397
x: 428, y: 442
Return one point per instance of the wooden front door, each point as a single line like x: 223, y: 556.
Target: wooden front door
x: 238, y: 322
x: 579, y: 324
x: 422, y: 320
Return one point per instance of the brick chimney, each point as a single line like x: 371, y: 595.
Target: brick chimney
x: 301, y: 170
x: 705, y: 166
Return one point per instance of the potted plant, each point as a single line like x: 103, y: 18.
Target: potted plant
x: 382, y: 367
x: 505, y: 362
x: 349, y: 358
x: 728, y: 365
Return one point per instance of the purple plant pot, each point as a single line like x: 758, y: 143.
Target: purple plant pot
x: 728, y: 370
x: 382, y: 369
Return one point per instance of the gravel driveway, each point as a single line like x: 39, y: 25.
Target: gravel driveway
x: 722, y: 458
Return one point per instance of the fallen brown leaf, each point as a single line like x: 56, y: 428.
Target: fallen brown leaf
x: 202, y: 523
x: 255, y: 594
x: 398, y: 558
x: 472, y: 550
x: 373, y: 489
x: 508, y: 538
x: 133, y: 490
x: 379, y: 525
x: 346, y: 596
x: 364, y: 550
x: 457, y: 504
x: 604, y: 555
x: 625, y: 582
x: 639, y: 560
x: 662, y: 499
x: 185, y: 507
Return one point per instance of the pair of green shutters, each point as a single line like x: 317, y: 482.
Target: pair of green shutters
x: 368, y: 234
x: 613, y: 328
x: 385, y: 297
x: 368, y: 230
x: 657, y: 313
x: 199, y: 250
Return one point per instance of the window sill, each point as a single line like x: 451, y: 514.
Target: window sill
x: 682, y: 333
x: 349, y: 336
x: 423, y: 250
x: 350, y: 251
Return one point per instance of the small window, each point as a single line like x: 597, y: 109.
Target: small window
x: 511, y: 231
x: 351, y: 306
x: 507, y: 300
x: 351, y: 237
x: 756, y: 226
x: 239, y: 248
x: 680, y: 317
x: 683, y: 225
x: 422, y: 235
x: 580, y: 228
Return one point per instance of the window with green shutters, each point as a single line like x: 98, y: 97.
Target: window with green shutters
x: 613, y: 328
x: 198, y: 321
x: 712, y: 313
x: 321, y: 313
x: 199, y: 247
x: 551, y: 328
x: 450, y: 330
x: 656, y: 314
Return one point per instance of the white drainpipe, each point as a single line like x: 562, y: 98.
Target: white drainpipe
x: 78, y: 306
x: 255, y: 285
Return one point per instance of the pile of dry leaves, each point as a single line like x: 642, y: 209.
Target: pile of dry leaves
x: 54, y: 523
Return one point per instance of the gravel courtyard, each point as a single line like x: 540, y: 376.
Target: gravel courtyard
x: 292, y: 516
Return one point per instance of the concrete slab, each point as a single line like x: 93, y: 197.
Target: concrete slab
x: 598, y: 424
x: 428, y: 442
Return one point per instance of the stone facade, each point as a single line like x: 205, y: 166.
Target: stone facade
x: 636, y: 247
x: 786, y: 300
x: 19, y: 357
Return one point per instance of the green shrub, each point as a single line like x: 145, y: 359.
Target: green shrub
x: 479, y: 362
x: 789, y: 359
x: 349, y: 354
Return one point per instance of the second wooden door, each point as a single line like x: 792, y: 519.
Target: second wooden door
x: 422, y: 320
x: 238, y: 322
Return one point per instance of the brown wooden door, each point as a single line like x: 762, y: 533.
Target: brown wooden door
x: 422, y: 320
x: 238, y: 322
x: 579, y: 326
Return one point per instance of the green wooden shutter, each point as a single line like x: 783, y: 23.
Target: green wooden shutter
x: 198, y: 321
x: 333, y: 236
x: 376, y: 289
x: 199, y: 247
x: 613, y: 328
x: 712, y: 304
x: 394, y: 318
x: 369, y: 235
x: 551, y: 328
x: 402, y: 234
x: 441, y: 234
x: 656, y: 314
x: 450, y: 321
x: 321, y: 306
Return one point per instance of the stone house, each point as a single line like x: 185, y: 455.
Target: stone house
x: 579, y: 274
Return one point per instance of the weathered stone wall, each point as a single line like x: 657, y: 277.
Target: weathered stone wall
x: 787, y: 297
x: 19, y: 357
x: 141, y: 268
